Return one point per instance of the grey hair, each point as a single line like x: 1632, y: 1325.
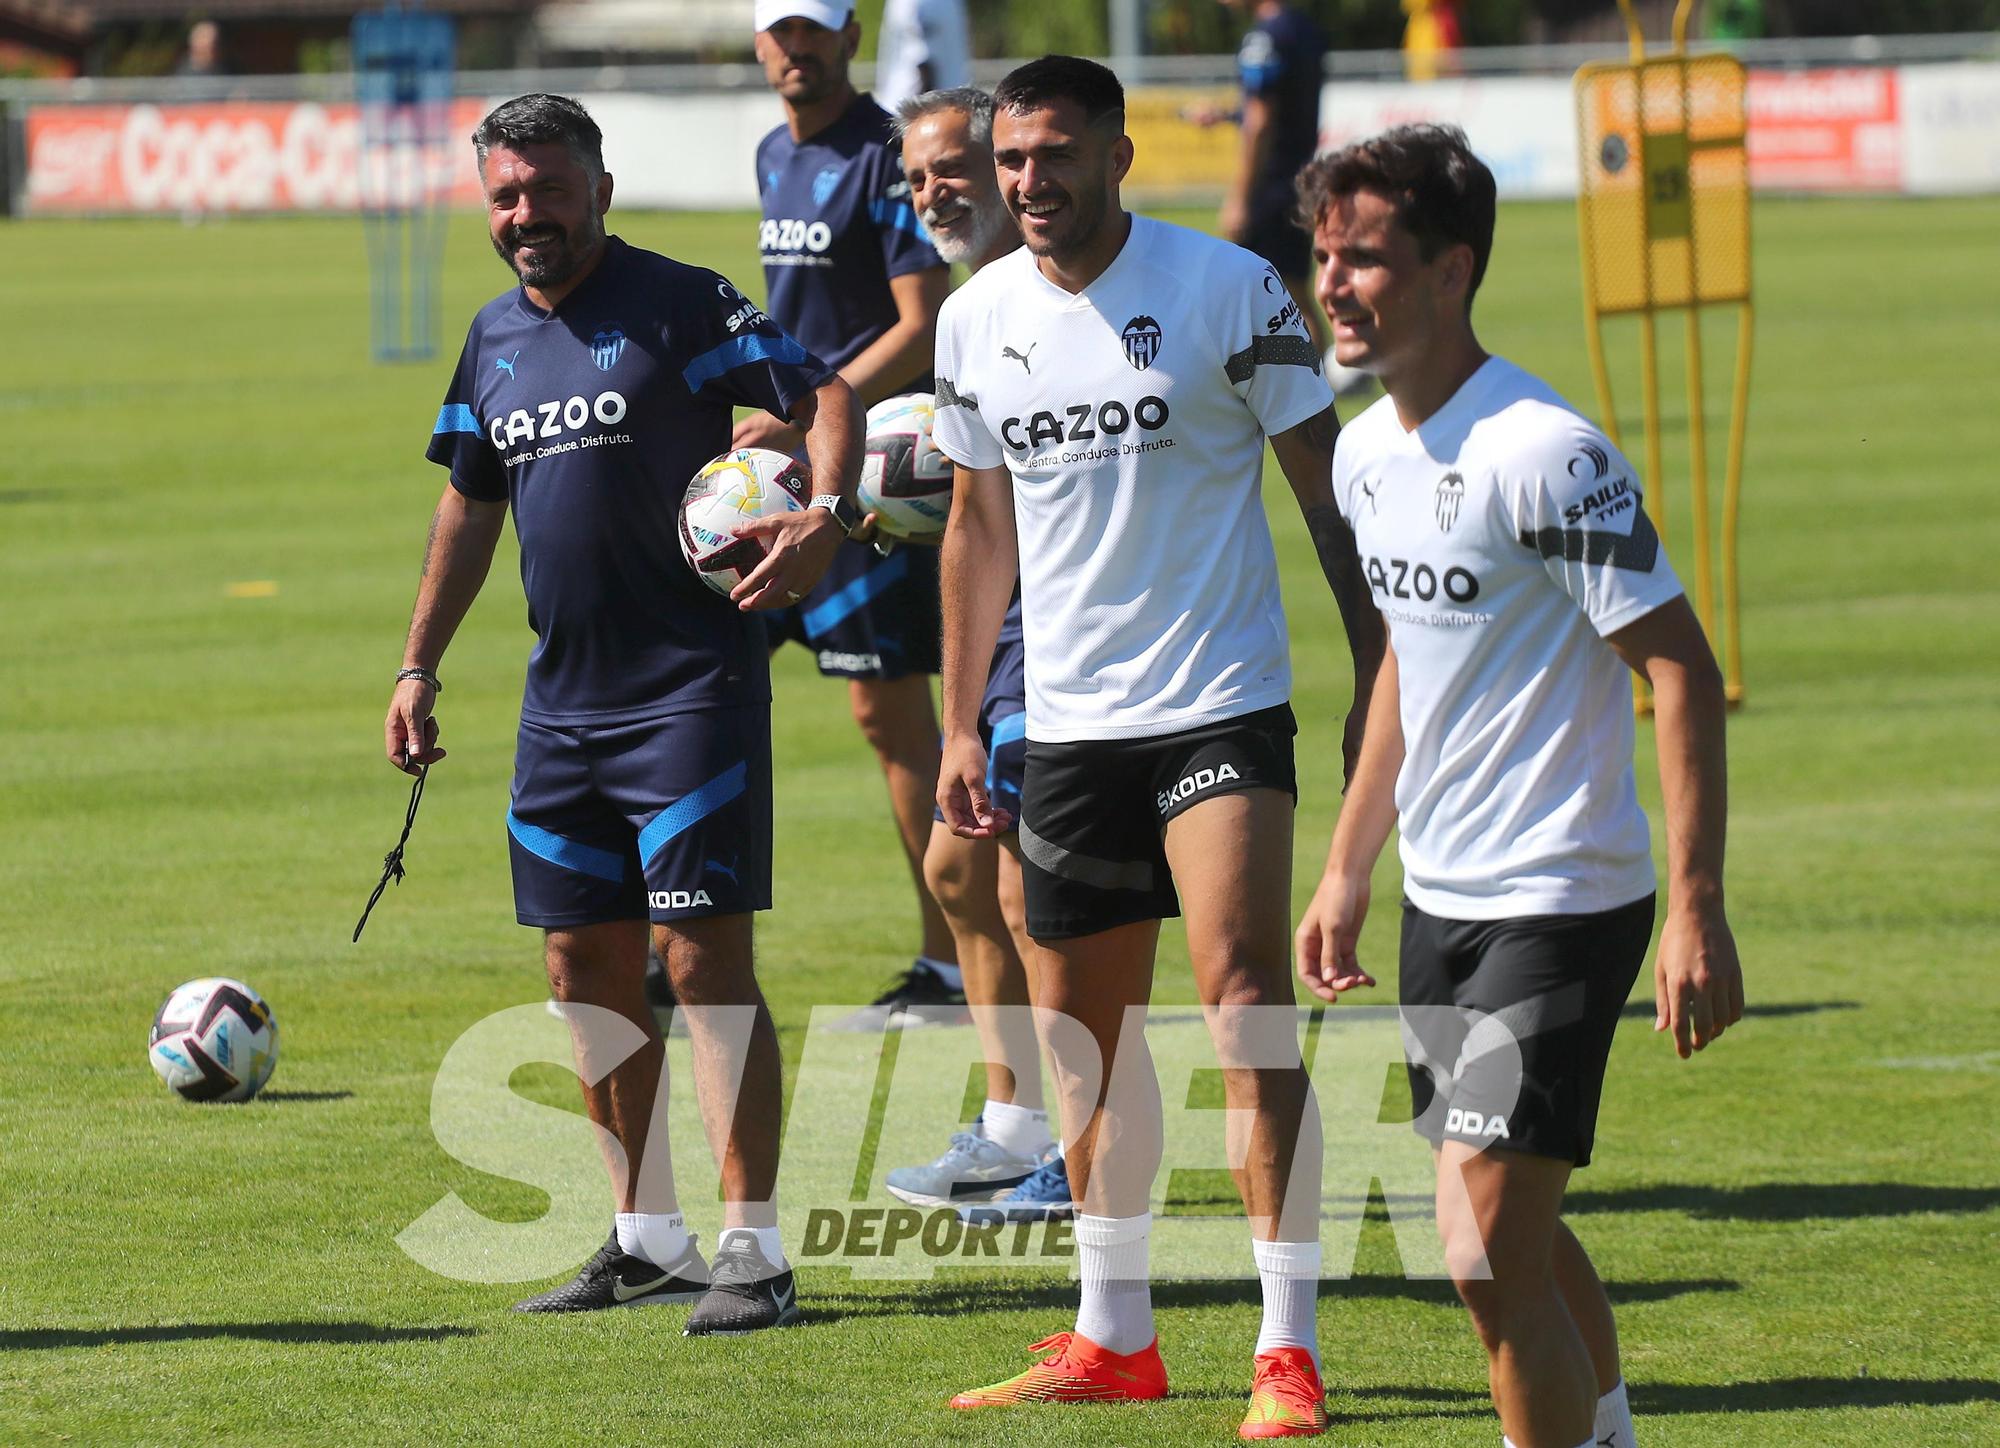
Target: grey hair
x: 542, y: 119
x: 974, y: 103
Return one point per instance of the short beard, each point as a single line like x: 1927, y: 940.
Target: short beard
x: 989, y: 224
x: 552, y: 270
x: 816, y: 88
x: 1086, y: 221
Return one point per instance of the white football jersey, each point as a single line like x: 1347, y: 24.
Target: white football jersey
x: 1502, y: 539
x: 1132, y: 417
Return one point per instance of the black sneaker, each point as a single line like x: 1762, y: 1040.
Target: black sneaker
x: 747, y: 1293
x: 917, y: 997
x: 615, y: 1278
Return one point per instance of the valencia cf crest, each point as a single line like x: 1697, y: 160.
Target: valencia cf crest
x: 824, y: 183
x: 1142, y: 342
x: 1450, y: 493
x: 606, y: 348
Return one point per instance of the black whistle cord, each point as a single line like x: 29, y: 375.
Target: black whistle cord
x: 392, y: 863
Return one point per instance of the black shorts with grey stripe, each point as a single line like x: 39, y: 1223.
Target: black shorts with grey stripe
x: 1094, y: 815
x: 1507, y: 1024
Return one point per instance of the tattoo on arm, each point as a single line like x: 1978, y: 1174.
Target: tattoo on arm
x: 431, y: 540
x: 1333, y: 540
x: 1319, y: 432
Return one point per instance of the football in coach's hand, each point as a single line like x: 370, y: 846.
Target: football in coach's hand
x: 749, y: 482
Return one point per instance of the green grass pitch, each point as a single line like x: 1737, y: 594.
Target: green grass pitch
x: 1802, y: 1229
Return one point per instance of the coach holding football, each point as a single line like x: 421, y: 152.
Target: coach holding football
x: 586, y: 399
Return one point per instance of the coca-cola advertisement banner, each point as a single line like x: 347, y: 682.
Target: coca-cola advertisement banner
x: 239, y: 156
x: 1910, y: 129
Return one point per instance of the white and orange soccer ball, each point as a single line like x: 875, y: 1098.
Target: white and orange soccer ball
x: 214, y: 1040
x: 905, y: 480
x: 750, y: 482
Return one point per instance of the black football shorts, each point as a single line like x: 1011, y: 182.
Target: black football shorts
x: 1094, y: 815
x: 1507, y: 1024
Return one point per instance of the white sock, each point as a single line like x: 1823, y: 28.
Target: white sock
x: 1614, y: 1418
x: 659, y: 1237
x: 946, y: 971
x: 1289, y: 1272
x: 766, y: 1239
x: 1507, y: 1442
x: 1019, y: 1129
x: 1116, y: 1311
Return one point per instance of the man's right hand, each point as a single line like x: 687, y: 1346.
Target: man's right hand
x: 962, y: 796
x: 409, y: 734
x: 1328, y: 935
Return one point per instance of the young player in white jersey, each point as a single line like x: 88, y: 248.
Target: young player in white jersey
x: 1106, y: 393
x: 1506, y: 543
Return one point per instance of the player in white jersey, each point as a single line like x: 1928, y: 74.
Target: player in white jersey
x: 1106, y: 393
x: 1507, y: 544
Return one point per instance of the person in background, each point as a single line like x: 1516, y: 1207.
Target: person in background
x: 851, y: 274
x: 1280, y: 64
x: 204, y: 51
x: 924, y: 46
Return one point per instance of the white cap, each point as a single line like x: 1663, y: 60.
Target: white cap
x: 833, y: 14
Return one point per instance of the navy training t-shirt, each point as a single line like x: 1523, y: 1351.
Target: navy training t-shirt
x: 1282, y: 61
x: 591, y: 421
x: 838, y: 224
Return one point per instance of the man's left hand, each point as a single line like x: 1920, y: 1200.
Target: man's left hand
x: 1697, y: 979
x: 760, y: 429
x: 797, y: 549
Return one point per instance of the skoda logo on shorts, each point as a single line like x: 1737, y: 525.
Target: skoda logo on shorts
x: 1142, y: 342
x: 606, y: 348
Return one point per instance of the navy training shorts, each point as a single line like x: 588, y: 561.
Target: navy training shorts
x: 1003, y: 727
x: 870, y: 617
x: 667, y: 819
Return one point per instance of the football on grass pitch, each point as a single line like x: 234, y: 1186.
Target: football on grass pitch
x: 751, y: 482
x: 215, y: 1040
x: 905, y: 480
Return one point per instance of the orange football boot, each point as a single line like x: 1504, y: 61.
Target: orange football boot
x: 1077, y: 1370
x: 1286, y: 1399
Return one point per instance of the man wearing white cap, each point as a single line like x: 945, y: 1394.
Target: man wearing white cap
x: 851, y: 273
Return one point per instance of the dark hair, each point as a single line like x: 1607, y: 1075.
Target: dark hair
x: 1064, y: 78
x: 540, y: 120
x: 1444, y: 195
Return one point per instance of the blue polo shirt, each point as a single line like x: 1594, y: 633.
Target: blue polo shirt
x: 590, y: 421
x: 1282, y: 61
x: 838, y: 224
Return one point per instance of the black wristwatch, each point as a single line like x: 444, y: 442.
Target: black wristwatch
x: 842, y: 507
